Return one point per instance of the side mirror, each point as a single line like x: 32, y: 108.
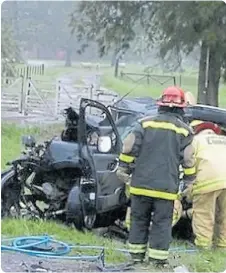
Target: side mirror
x: 104, y: 144
x: 28, y: 141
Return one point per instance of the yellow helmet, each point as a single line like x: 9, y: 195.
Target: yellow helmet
x: 190, y: 98
x: 196, y: 122
x: 199, y: 126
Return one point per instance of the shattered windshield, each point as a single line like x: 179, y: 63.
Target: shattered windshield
x: 125, y: 124
x: 127, y: 130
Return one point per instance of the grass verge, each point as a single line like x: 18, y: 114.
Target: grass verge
x: 51, y: 74
x: 189, y: 82
x: 11, y: 148
x: 11, y: 134
x: 14, y: 228
x: 206, y: 261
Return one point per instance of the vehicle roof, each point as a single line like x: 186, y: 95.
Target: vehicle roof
x: 206, y: 113
x: 198, y: 111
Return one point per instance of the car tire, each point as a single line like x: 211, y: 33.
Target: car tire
x: 74, y: 212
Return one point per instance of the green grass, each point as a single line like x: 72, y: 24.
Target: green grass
x: 11, y: 138
x: 11, y: 148
x: 51, y: 74
x: 14, y: 228
x: 189, y: 82
x: 11, y: 134
x: 204, y: 261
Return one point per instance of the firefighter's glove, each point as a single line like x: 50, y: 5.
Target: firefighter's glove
x: 187, y: 193
x: 123, y: 175
x: 187, y: 214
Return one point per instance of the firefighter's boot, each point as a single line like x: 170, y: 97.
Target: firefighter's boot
x: 160, y: 264
x: 137, y: 259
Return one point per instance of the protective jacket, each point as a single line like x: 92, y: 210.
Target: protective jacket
x: 157, y: 146
x: 210, y: 154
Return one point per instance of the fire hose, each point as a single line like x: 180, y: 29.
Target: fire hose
x: 46, y: 247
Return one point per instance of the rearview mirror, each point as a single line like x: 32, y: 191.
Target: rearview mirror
x: 104, y: 144
x: 28, y: 141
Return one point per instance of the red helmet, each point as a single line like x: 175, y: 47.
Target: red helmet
x: 172, y: 97
x: 207, y: 126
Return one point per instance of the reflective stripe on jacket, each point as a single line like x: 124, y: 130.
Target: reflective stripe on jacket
x: 210, y: 154
x: 177, y: 213
x: 157, y: 148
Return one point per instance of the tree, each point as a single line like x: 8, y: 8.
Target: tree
x: 9, y: 49
x: 174, y: 27
x: 42, y: 25
x: 188, y: 24
x: 104, y: 23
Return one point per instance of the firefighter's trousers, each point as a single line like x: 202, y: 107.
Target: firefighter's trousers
x: 209, y: 219
x: 178, y: 210
x: 160, y: 232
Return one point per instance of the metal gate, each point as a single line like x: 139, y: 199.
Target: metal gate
x: 39, y: 98
x: 70, y: 95
x: 11, y: 94
x: 27, y: 97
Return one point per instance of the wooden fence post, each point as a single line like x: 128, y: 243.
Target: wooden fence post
x: 43, y: 69
x: 27, y: 72
x: 22, y: 97
x: 58, y: 90
x: 25, y: 95
x: 148, y: 80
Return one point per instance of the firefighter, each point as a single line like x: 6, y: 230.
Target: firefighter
x: 177, y: 211
x: 190, y: 98
x: 157, y: 145
x: 209, y: 189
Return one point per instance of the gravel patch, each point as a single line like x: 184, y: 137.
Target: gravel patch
x: 86, y: 77
x: 17, y: 262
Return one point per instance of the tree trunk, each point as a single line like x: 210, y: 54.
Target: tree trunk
x: 113, y: 60
x: 69, y: 50
x: 116, y: 67
x: 117, y: 59
x: 214, y: 75
x: 68, y: 57
x: 202, y: 91
x: 114, y: 55
x: 209, y: 94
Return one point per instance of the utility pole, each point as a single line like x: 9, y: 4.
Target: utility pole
x: 205, y: 91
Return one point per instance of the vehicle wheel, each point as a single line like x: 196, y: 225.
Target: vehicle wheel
x: 10, y: 195
x: 74, y: 212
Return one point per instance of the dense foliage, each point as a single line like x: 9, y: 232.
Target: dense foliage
x: 175, y: 27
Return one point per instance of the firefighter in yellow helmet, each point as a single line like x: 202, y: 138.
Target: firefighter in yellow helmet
x: 158, y: 145
x: 209, y: 188
x: 190, y: 98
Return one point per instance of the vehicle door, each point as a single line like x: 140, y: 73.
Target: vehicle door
x: 100, y: 148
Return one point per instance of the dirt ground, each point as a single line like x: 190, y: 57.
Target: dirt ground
x: 13, y: 262
x: 87, y: 78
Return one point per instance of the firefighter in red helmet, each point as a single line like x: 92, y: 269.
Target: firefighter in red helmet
x: 173, y: 97
x: 157, y: 147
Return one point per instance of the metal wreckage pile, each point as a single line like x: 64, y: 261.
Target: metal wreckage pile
x: 73, y: 176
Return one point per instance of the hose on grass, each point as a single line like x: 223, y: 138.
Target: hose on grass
x: 46, y: 247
